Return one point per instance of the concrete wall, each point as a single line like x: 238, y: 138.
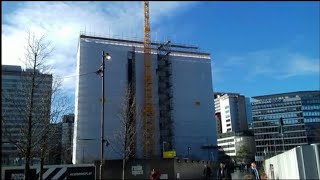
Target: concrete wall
x: 194, y: 124
x: 188, y: 169
x: 88, y: 99
x: 297, y: 163
x: 168, y: 168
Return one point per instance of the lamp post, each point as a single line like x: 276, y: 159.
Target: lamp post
x: 189, y: 148
x: 105, y: 56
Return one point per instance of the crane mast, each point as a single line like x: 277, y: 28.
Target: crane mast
x: 148, y: 109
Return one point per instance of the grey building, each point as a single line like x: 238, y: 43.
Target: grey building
x: 182, y: 91
x: 300, y: 115
x: 66, y: 139
x: 231, y: 111
x: 55, y: 150
x: 15, y: 96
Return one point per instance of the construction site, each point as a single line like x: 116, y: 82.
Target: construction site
x: 170, y: 89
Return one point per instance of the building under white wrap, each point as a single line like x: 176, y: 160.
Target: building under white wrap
x: 182, y: 91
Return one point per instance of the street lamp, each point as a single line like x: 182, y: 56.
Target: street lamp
x: 105, y: 56
x: 189, y: 148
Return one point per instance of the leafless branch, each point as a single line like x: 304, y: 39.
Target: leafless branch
x: 37, y: 103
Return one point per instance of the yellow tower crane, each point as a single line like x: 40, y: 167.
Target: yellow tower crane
x: 148, y: 109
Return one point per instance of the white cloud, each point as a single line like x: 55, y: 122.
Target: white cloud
x: 277, y: 64
x: 302, y: 65
x: 61, y: 23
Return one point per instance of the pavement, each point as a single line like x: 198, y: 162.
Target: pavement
x: 237, y: 175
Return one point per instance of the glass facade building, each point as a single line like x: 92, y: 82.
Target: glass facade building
x: 15, y: 95
x: 300, y: 114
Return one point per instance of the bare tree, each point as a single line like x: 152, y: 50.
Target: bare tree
x: 60, y: 105
x: 124, y: 140
x: 36, y: 103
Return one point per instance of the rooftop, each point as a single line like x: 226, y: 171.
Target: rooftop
x: 175, y: 49
x: 231, y: 134
x: 17, y: 70
x: 287, y: 95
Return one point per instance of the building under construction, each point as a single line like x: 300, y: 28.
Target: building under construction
x: 181, y: 91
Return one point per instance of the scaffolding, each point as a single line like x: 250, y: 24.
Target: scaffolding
x: 165, y: 92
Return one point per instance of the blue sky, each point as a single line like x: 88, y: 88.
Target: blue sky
x: 257, y: 48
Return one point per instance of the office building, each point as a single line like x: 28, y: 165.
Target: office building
x: 300, y: 115
x: 16, y: 88
x: 182, y: 90
x: 230, y: 110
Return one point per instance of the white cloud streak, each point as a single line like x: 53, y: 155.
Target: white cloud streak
x: 61, y: 23
x: 277, y: 64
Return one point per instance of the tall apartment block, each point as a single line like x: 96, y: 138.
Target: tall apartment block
x: 230, y: 112
x: 15, y: 96
x: 182, y: 87
x: 67, y: 138
x: 300, y: 114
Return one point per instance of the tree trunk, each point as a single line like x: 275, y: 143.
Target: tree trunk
x: 27, y: 167
x: 41, y: 168
x: 29, y: 133
x: 123, y: 168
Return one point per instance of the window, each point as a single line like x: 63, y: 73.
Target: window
x: 227, y: 107
x: 227, y: 111
x: 228, y: 130
x: 228, y: 125
x: 228, y: 120
x: 227, y: 116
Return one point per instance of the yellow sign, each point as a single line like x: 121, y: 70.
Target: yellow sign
x: 169, y: 154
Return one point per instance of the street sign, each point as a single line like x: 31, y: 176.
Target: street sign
x: 169, y: 154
